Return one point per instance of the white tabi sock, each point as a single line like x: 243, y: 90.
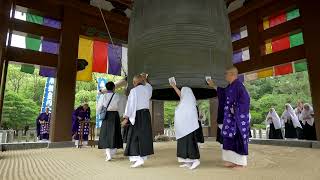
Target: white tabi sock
x: 195, y: 164
x: 138, y: 163
x: 108, y: 155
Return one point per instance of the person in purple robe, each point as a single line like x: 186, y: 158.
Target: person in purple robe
x: 236, y: 123
x: 43, y: 125
x: 81, y: 114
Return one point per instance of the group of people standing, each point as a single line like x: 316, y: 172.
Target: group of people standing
x: 234, y: 101
x: 233, y: 120
x: 298, y: 123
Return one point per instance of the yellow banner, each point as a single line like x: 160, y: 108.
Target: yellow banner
x: 85, y: 52
x: 265, y: 73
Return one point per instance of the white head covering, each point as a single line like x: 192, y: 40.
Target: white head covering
x: 289, y: 113
x: 306, y: 115
x: 186, y: 116
x: 274, y: 119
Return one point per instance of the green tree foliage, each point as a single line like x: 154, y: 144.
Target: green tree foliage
x: 276, y: 92
x: 18, y: 111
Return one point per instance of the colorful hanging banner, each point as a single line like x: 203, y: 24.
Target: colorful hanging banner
x: 293, y: 14
x: 114, y: 59
x: 101, y: 85
x: 48, y: 94
x: 280, y: 44
x: 49, y: 47
x: 276, y: 20
x: 124, y: 62
x: 235, y: 36
x: 283, y: 69
x: 296, y: 39
x: 266, y: 23
x: 32, y: 43
x: 85, y: 52
x: 251, y: 76
x: 237, y: 57
x: 100, y: 57
x: 300, y: 66
x: 265, y: 73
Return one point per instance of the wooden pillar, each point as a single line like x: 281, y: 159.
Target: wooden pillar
x: 157, y: 117
x: 213, y: 117
x: 253, y: 37
x: 5, y: 6
x: 311, y: 29
x: 66, y: 76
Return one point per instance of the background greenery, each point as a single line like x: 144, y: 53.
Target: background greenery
x: 23, y: 97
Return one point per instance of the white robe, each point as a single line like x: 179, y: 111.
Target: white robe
x: 274, y: 119
x: 292, y: 115
x: 306, y: 116
x: 139, y: 98
x: 186, y: 116
x: 117, y: 103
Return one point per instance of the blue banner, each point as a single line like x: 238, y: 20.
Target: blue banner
x: 101, y: 85
x: 48, y: 95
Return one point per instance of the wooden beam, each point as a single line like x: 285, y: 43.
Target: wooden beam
x: 254, y: 37
x: 128, y: 3
x: 281, y: 29
x: 274, y: 59
x: 310, y: 30
x: 262, y: 8
x: 243, y: 11
x: 31, y: 57
x: 40, y: 7
x: 97, y: 28
x: 5, y: 6
x: 36, y: 29
x: 242, y: 43
x: 276, y: 8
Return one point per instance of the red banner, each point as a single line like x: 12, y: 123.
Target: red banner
x: 100, y: 57
x: 283, y: 69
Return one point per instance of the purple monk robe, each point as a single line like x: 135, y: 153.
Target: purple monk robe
x: 43, y: 128
x: 49, y: 47
x: 237, y: 57
x: 236, y: 125
x: 114, y: 59
x: 84, y: 115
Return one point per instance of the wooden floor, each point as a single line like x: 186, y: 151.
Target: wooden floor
x: 265, y: 162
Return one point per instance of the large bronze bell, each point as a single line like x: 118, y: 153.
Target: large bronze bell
x: 187, y: 39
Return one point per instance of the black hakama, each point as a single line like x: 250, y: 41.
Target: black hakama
x: 187, y: 147
x: 309, y: 132
x: 275, y: 133
x: 139, y: 138
x: 300, y: 132
x: 110, y: 132
x: 290, y: 131
x: 199, y: 133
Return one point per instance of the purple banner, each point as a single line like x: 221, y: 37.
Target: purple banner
x: 235, y: 36
x: 237, y: 57
x: 114, y: 59
x: 49, y: 47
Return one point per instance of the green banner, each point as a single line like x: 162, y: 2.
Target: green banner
x: 296, y: 39
x: 293, y: 14
x: 32, y: 43
x: 300, y: 66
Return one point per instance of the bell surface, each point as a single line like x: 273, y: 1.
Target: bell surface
x: 185, y: 39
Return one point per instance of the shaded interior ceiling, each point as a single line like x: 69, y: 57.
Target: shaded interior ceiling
x: 109, y: 5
